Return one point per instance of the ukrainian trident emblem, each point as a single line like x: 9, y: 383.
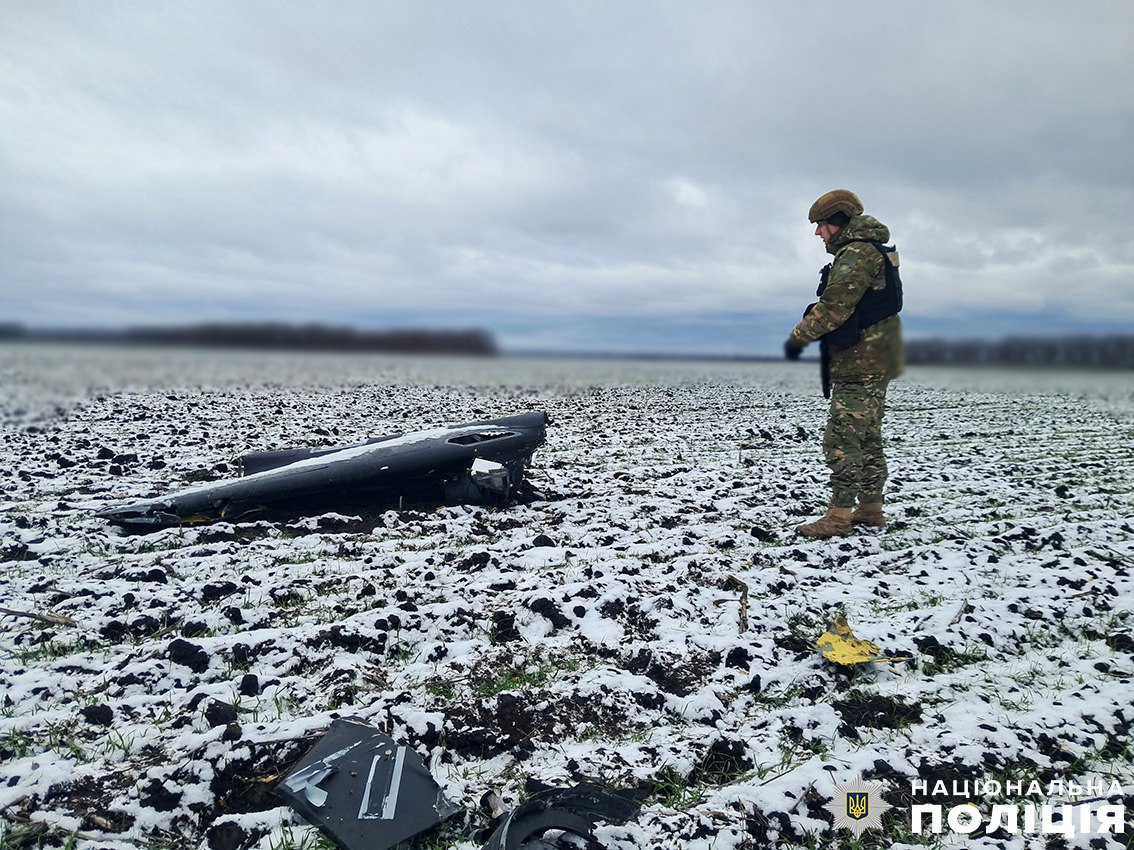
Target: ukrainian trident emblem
x: 858, y: 806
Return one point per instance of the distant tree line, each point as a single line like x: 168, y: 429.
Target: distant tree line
x: 311, y: 337
x: 1108, y: 352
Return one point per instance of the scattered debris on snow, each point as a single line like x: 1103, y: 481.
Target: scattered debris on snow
x: 839, y: 645
x: 364, y: 789
x: 595, y: 634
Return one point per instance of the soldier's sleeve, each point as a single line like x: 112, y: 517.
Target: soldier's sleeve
x: 852, y: 272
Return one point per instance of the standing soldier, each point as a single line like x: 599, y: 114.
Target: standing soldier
x: 856, y: 321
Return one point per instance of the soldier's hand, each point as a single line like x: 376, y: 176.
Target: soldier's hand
x: 792, y: 350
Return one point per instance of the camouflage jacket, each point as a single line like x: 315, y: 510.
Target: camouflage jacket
x: 857, y: 267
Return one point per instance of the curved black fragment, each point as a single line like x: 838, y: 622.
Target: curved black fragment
x: 574, y: 811
x: 477, y: 462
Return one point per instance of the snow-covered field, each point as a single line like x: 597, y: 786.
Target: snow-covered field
x: 648, y: 623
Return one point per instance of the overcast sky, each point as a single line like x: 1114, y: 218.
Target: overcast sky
x: 613, y: 175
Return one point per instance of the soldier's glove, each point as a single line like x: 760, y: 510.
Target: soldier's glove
x: 792, y: 350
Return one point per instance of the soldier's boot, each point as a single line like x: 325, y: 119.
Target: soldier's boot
x: 869, y: 513
x: 835, y: 523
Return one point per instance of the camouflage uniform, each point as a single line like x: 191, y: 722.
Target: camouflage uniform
x: 860, y: 374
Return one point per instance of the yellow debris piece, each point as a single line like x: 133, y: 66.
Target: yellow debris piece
x: 838, y: 644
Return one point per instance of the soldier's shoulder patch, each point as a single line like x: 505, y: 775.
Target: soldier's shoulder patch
x: 863, y: 253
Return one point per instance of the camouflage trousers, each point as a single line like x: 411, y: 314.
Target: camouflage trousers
x: 852, y: 443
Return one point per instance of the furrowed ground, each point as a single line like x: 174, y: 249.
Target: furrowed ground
x: 648, y: 621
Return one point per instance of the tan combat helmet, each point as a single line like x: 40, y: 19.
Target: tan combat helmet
x: 836, y: 201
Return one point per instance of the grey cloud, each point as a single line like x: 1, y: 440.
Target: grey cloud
x: 550, y: 162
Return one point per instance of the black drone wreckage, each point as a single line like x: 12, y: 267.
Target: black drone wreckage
x: 476, y: 462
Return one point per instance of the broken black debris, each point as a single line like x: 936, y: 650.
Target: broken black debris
x: 473, y: 463
x: 363, y: 789
x: 574, y: 811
